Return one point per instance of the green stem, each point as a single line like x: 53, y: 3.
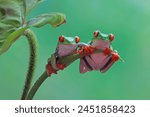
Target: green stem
x: 32, y: 61
x: 36, y: 86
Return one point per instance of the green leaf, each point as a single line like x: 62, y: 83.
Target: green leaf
x: 30, y: 4
x: 10, y: 18
x: 12, y: 14
x: 11, y: 39
x: 55, y: 19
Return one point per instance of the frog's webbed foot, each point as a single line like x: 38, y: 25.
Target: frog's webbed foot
x: 53, y: 66
x: 60, y: 66
x: 50, y: 70
x: 85, y: 50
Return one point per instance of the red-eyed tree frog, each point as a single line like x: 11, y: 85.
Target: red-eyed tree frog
x: 65, y: 47
x: 102, y: 60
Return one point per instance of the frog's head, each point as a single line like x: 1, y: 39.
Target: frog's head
x: 99, y: 35
x: 101, y: 40
x: 68, y: 40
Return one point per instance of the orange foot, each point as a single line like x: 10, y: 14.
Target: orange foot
x: 50, y: 69
x: 60, y: 66
x: 115, y: 55
x: 85, y: 50
x: 107, y: 51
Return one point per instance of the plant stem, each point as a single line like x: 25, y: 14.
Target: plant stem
x: 32, y: 61
x: 36, y: 86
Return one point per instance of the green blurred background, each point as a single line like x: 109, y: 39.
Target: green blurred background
x: 129, y: 20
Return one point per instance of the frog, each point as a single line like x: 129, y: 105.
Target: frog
x: 103, y: 59
x: 65, y: 47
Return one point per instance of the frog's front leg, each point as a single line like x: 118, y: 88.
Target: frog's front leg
x: 85, y: 50
x: 50, y: 66
x: 53, y: 65
x: 49, y: 69
x: 66, y: 46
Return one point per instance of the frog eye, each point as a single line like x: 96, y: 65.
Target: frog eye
x: 61, y: 39
x: 96, y: 33
x: 77, y: 39
x: 111, y: 37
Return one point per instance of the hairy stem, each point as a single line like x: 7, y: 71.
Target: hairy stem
x: 36, y: 86
x: 32, y: 61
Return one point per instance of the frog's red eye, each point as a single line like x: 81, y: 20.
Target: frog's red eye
x: 96, y: 33
x: 61, y: 39
x: 111, y: 37
x: 77, y: 39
